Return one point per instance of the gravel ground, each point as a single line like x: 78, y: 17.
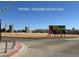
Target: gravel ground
x: 2, y: 46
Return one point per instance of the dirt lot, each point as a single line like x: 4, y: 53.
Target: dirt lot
x: 37, y: 35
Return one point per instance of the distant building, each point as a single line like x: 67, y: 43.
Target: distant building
x: 30, y: 31
x: 11, y: 28
x: 27, y: 30
x: 40, y: 31
x: 6, y: 27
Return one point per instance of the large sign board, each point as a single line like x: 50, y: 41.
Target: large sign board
x: 56, y: 29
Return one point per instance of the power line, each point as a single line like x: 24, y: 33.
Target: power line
x: 2, y: 11
x: 7, y: 7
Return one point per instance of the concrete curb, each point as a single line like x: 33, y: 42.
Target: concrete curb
x: 21, y: 51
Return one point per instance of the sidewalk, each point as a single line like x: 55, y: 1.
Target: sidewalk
x: 16, y: 49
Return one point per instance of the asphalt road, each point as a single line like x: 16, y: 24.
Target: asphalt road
x: 49, y: 48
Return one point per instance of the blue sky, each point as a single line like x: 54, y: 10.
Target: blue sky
x: 41, y: 19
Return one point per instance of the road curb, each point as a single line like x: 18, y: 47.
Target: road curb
x: 13, y: 51
x: 22, y: 50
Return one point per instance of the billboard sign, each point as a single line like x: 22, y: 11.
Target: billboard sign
x: 56, y: 29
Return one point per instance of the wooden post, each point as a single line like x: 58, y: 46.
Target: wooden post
x: 13, y: 43
x: 5, y: 46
